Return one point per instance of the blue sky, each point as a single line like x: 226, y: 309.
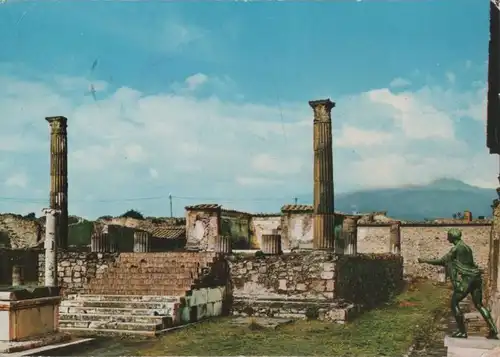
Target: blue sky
x: 208, y: 101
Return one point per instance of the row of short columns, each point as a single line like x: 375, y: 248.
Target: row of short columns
x: 104, y: 243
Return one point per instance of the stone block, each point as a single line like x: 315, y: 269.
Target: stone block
x: 217, y: 308
x: 327, y: 275
x: 215, y: 294
x: 474, y: 346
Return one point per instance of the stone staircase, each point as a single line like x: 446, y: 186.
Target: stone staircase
x: 147, y: 294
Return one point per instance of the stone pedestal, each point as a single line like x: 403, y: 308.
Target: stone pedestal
x: 28, y: 314
x: 142, y: 242
x: 395, y: 238
x: 271, y: 244
x: 474, y: 346
x: 99, y: 243
x: 17, y: 275
x: 324, y: 217
x: 223, y: 244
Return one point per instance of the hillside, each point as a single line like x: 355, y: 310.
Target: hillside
x: 437, y: 199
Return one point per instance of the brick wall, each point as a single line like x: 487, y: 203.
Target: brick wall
x: 368, y: 279
x: 76, y: 269
x: 425, y: 241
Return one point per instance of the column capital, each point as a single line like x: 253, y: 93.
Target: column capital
x: 327, y: 104
x: 58, y: 122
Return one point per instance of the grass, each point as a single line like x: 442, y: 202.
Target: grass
x: 387, y: 331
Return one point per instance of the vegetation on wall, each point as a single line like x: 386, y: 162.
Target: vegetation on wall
x: 133, y: 214
x: 79, y: 234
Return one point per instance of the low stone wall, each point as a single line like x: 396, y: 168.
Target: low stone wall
x: 369, y: 279
x: 302, y: 275
x: 76, y: 269
x: 293, y: 285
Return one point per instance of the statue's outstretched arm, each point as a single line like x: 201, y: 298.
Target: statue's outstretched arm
x: 443, y: 261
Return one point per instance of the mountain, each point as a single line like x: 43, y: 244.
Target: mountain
x: 438, y: 199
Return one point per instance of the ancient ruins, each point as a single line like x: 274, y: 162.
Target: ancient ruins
x: 145, y: 277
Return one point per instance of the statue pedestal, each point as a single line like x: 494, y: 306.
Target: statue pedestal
x: 474, y: 346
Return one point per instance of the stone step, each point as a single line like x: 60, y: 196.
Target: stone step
x: 139, y: 319
x: 161, y: 291
x: 143, y: 298
x: 108, y: 332
x: 163, y: 310
x: 110, y: 325
x: 110, y: 304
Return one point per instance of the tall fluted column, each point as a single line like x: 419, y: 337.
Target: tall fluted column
x: 324, y: 219
x: 59, y: 175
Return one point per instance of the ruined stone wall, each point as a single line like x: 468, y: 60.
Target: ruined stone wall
x: 18, y: 232
x: 264, y: 224
x: 76, y: 269
x: 304, y: 275
x: 236, y: 226
x: 27, y: 258
x: 369, y: 279
x: 297, y: 231
x: 202, y: 229
x: 363, y: 279
x: 425, y: 240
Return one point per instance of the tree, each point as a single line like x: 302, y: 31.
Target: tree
x: 133, y: 214
x: 31, y: 215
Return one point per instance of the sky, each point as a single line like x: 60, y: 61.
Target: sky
x: 208, y: 102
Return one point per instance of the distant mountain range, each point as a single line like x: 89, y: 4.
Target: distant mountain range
x: 438, y: 199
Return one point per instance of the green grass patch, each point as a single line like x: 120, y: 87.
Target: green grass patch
x: 387, y: 331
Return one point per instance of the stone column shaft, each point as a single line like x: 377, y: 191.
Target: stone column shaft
x: 99, y: 243
x: 223, y: 244
x: 50, y: 244
x: 395, y: 238
x: 17, y: 275
x: 324, y: 218
x: 350, y: 230
x: 271, y: 244
x: 142, y: 242
x: 59, y: 175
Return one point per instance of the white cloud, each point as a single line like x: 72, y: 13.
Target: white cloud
x: 399, y: 82
x: 352, y: 137
x: 19, y: 180
x: 196, y: 80
x: 450, y: 76
x: 153, y: 173
x: 210, y: 147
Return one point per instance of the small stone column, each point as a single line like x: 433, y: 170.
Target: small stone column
x: 99, y: 243
x: 113, y: 244
x: 350, y: 230
x: 324, y: 215
x: 271, y: 244
x: 142, y: 242
x: 17, y: 275
x: 59, y: 175
x: 51, y: 231
x: 223, y: 244
x: 395, y: 238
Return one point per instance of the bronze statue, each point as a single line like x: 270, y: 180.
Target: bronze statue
x: 466, y: 278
